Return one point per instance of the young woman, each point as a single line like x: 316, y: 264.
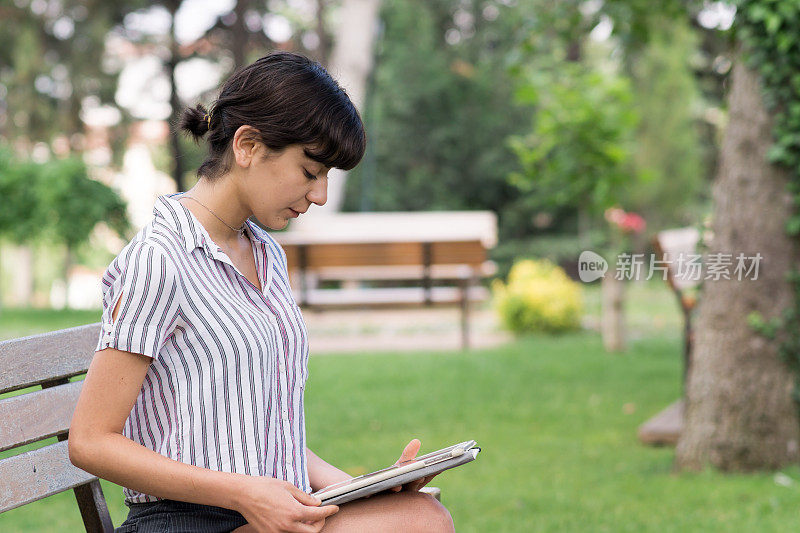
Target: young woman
x: 194, y: 399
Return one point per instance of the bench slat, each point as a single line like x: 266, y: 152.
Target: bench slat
x: 463, y: 252
x: 37, y: 415
x: 34, y: 475
x: 59, y: 354
x: 406, y: 272
x: 390, y: 296
x: 391, y: 253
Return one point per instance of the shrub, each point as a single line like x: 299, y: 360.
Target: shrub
x: 539, y: 297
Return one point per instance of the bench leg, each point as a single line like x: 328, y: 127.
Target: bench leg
x: 92, y: 503
x: 94, y: 510
x: 436, y: 492
x: 464, y: 283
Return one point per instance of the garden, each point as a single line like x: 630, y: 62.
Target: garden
x: 595, y: 141
x: 556, y: 417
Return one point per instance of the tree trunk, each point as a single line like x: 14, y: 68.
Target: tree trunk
x: 323, y: 52
x: 174, y: 101
x: 239, y: 35
x: 739, y: 414
x: 351, y: 62
x: 23, y: 278
x: 612, y: 313
x: 1, y: 279
x: 67, y: 267
x: 584, y: 225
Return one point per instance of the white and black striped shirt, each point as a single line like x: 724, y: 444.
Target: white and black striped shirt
x: 225, y: 387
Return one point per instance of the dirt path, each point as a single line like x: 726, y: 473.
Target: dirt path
x: 383, y: 330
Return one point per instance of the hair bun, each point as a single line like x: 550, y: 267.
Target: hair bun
x: 195, y: 121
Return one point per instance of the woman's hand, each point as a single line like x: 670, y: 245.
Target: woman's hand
x: 271, y: 505
x: 410, y: 452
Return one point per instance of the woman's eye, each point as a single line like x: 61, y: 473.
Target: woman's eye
x: 309, y: 175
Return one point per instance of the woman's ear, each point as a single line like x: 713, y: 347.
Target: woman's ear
x: 245, y: 145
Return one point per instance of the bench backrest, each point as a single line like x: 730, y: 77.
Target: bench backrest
x: 317, y: 255
x: 676, y: 247
x: 47, y: 361
x: 389, y: 239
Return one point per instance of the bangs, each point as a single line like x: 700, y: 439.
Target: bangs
x: 340, y: 140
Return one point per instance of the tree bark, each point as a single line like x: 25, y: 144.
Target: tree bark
x: 612, y: 313
x: 739, y: 413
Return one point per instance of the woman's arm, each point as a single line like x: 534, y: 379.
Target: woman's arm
x: 96, y: 444
x: 321, y: 474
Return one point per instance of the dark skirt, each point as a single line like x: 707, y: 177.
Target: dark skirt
x: 170, y: 516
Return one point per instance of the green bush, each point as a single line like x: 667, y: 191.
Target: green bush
x: 539, y: 297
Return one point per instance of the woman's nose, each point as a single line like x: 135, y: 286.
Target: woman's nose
x: 319, y: 191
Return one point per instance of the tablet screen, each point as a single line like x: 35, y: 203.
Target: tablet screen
x: 397, y: 469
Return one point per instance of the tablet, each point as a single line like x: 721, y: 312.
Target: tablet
x: 399, y: 474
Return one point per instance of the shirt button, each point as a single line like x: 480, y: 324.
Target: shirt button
x: 285, y: 414
x: 107, y: 328
x: 281, y: 366
x: 289, y: 459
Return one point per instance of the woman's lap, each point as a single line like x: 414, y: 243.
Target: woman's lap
x: 170, y: 516
x: 403, y: 511
x: 388, y: 512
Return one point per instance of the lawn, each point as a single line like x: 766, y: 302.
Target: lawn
x: 556, y: 418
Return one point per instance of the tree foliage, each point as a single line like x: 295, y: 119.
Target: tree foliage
x: 439, y: 108
x: 73, y: 204
x: 442, y: 107
x: 54, y: 200
x: 670, y: 155
x: 20, y: 213
x: 578, y: 150
x: 51, y: 61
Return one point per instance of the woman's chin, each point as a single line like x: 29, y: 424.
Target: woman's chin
x: 278, y: 223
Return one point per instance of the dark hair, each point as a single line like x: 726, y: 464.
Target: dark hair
x: 289, y: 99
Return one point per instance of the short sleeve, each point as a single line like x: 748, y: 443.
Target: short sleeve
x: 145, y: 283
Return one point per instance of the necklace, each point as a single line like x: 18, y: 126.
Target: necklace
x: 239, y: 230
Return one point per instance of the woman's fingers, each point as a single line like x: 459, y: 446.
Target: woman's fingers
x: 302, y: 496
x: 317, y: 514
x: 410, y: 451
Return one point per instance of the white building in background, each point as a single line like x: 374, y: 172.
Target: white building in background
x: 139, y: 182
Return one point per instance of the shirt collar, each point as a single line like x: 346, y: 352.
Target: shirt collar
x: 169, y: 211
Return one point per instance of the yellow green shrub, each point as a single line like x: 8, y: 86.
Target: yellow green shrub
x: 539, y: 297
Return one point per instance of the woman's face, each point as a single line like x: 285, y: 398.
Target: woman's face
x: 284, y: 185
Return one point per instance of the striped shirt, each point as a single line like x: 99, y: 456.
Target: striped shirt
x: 224, y: 390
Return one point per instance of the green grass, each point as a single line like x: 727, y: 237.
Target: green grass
x: 22, y: 322
x: 556, y: 418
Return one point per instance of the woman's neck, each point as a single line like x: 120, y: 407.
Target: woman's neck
x: 207, y: 199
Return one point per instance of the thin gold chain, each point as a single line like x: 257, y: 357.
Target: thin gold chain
x: 239, y: 230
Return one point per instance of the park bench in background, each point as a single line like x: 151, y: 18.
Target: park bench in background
x: 665, y: 427
x: 439, y: 258
x: 46, y: 361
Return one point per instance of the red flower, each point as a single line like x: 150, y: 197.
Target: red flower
x: 625, y: 222
x: 632, y: 223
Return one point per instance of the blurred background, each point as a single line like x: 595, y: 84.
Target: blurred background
x: 556, y: 127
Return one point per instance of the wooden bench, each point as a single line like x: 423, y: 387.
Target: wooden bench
x: 664, y: 429
x: 47, y: 361
x: 672, y: 245
x: 407, y: 259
